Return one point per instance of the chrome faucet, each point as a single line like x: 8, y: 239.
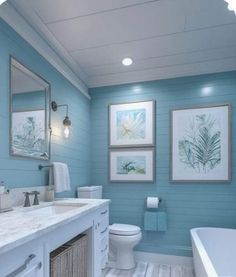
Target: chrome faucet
x: 36, y: 199
x: 27, y: 200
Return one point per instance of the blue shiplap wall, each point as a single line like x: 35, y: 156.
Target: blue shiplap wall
x: 75, y: 151
x: 188, y: 205
x: 28, y: 101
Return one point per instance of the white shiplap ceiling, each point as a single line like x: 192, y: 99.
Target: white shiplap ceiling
x: 165, y: 38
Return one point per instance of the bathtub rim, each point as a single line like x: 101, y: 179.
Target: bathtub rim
x: 208, y: 265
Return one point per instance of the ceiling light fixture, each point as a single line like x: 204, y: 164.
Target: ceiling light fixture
x: 2, y: 1
x: 231, y: 5
x: 127, y: 61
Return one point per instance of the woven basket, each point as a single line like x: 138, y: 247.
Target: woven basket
x: 70, y: 260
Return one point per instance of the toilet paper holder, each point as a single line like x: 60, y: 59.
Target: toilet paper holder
x: 153, y: 202
x: 160, y: 199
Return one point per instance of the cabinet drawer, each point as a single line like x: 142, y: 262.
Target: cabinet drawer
x: 104, y: 243
x: 104, y: 261
x: 104, y: 251
x: 24, y: 261
x: 104, y: 213
x: 104, y: 226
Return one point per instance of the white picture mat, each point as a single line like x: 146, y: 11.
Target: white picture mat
x: 18, y: 120
x: 19, y: 117
x: 149, y: 155
x: 179, y: 170
x: 149, y: 136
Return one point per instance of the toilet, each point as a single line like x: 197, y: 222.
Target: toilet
x: 122, y: 237
x: 122, y: 240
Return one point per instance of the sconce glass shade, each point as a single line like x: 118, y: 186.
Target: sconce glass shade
x: 66, y: 131
x: 67, y: 124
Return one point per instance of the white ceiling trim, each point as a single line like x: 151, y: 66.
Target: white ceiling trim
x: 9, y: 14
x: 35, y: 21
x: 175, y: 71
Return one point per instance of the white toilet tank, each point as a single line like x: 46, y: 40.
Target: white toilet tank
x: 94, y: 192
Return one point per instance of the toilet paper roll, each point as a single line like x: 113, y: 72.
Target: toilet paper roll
x: 152, y: 202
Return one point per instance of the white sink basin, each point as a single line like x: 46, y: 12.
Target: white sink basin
x: 54, y: 209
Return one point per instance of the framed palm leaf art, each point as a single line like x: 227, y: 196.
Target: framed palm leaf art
x: 132, y: 124
x: 201, y: 144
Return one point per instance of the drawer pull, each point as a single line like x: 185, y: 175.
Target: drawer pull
x: 23, y: 267
x: 31, y: 270
x: 105, y: 249
x: 102, y: 213
x: 104, y: 231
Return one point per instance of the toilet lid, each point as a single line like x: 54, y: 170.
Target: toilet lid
x: 124, y: 229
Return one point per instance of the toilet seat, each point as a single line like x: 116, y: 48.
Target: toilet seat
x: 124, y: 229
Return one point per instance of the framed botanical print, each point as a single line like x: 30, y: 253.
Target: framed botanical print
x: 201, y: 144
x: 28, y: 135
x: 132, y: 124
x: 131, y: 165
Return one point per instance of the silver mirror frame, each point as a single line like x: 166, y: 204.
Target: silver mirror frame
x: 47, y: 114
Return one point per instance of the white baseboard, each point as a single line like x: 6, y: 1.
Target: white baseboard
x: 163, y: 259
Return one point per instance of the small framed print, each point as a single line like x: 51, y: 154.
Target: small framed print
x: 201, y: 144
x: 132, y: 165
x: 132, y: 124
x: 28, y: 134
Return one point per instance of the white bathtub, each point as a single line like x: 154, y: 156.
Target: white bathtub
x: 214, y: 252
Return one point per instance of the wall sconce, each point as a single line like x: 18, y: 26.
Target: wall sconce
x: 66, y: 122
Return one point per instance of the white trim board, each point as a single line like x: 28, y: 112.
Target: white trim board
x: 163, y: 259
x: 10, y: 15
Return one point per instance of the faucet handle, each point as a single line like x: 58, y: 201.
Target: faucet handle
x: 27, y: 200
x: 36, y: 200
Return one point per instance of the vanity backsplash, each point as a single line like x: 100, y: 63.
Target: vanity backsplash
x: 18, y: 198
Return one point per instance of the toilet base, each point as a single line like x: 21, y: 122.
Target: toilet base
x: 121, y: 254
x: 124, y: 261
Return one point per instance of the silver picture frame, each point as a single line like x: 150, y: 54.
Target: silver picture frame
x: 138, y: 178
x: 152, y: 125
x: 228, y: 171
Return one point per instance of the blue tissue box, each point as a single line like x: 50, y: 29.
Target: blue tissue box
x: 162, y: 221
x: 150, y: 221
x: 155, y: 221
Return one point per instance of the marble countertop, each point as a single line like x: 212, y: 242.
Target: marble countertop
x: 21, y: 225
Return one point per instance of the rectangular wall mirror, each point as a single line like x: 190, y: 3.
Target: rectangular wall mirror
x: 29, y: 113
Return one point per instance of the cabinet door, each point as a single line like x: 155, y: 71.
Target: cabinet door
x: 23, y: 261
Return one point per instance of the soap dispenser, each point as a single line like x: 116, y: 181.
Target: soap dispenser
x: 5, y: 199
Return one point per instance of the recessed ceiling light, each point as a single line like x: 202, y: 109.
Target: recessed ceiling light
x: 2, y: 1
x: 231, y: 5
x: 127, y: 61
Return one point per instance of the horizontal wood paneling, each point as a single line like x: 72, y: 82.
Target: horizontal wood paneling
x: 188, y: 205
x: 75, y: 151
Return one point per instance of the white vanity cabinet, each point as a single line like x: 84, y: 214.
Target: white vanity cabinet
x: 33, y: 250
x: 103, y: 227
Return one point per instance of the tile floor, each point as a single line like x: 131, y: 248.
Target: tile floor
x: 151, y: 270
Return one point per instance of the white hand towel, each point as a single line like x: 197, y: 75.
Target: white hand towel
x: 60, y: 177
